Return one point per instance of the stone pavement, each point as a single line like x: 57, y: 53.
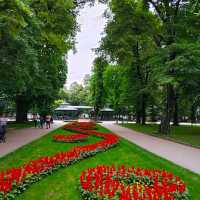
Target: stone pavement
x: 185, y: 156
x: 15, y: 138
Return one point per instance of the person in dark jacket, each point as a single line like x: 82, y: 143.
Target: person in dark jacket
x: 35, y: 120
x: 41, y: 121
x: 3, y: 124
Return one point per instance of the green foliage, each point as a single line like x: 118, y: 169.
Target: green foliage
x: 131, y: 45
x: 184, y: 134
x: 96, y: 84
x: 34, y: 38
x: 157, y: 42
x: 66, y: 179
x: 77, y: 94
x: 20, y: 125
x: 13, y: 17
x: 114, y: 84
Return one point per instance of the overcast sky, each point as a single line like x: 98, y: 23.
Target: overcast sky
x: 92, y: 24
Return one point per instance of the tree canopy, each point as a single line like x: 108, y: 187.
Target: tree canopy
x: 157, y: 43
x: 35, y: 37
x: 147, y: 63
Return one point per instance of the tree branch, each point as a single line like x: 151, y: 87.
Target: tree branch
x: 177, y: 7
x: 157, y: 9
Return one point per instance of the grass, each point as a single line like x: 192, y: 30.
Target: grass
x: 63, y: 184
x: 184, y: 134
x: 16, y: 125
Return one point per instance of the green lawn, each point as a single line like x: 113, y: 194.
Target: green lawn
x: 20, y: 125
x: 185, y: 134
x: 62, y: 185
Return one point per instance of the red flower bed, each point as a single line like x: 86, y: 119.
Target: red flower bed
x: 15, y: 180
x: 108, y: 182
x: 102, y: 182
x: 83, y: 125
x: 69, y: 138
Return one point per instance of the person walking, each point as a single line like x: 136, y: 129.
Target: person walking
x: 35, y: 120
x: 3, y: 124
x: 41, y: 121
x: 48, y: 121
x: 38, y: 121
x: 51, y: 120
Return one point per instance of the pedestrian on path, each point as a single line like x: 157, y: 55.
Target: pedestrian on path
x: 51, y: 120
x: 48, y: 121
x: 35, y: 120
x: 16, y: 138
x: 38, y: 122
x: 3, y: 124
x: 41, y: 121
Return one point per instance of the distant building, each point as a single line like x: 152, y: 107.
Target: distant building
x: 67, y: 111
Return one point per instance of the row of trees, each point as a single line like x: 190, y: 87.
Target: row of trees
x: 35, y: 36
x: 149, y: 60
x: 77, y: 94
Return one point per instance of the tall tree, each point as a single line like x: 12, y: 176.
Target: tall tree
x: 33, y: 48
x: 173, y: 15
x: 114, y: 80
x: 97, y: 86
x: 76, y: 94
x: 161, y: 55
x: 130, y: 44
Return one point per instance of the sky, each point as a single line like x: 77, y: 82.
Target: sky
x: 92, y: 24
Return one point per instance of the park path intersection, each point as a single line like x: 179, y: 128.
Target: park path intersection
x: 16, y: 138
x: 182, y: 155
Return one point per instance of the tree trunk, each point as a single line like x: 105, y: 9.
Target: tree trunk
x: 193, y: 114
x: 165, y: 120
x: 129, y: 117
x: 169, y: 105
x: 21, y: 109
x: 138, y: 117
x: 117, y: 118
x: 139, y: 77
x: 153, y: 114
x: 175, y: 113
x: 122, y: 119
x: 138, y: 111
x: 117, y: 121
x: 143, y: 110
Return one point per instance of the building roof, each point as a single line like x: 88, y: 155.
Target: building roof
x: 83, y: 107
x: 107, y: 110
x: 67, y: 108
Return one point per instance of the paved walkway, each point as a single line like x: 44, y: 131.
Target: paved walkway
x: 16, y: 138
x: 185, y: 156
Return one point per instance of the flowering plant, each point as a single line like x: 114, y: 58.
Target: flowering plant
x: 69, y: 138
x: 108, y: 182
x: 15, y: 180
x: 90, y: 125
x: 100, y: 183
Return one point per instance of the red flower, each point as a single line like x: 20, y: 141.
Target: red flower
x: 69, y: 138
x: 15, y: 176
x: 114, y: 181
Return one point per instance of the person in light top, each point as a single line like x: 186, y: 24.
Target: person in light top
x: 48, y: 121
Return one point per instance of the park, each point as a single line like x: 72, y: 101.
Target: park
x: 99, y: 100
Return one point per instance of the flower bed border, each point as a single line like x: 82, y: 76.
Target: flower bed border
x: 131, y: 183
x: 14, y: 181
x: 70, y: 138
